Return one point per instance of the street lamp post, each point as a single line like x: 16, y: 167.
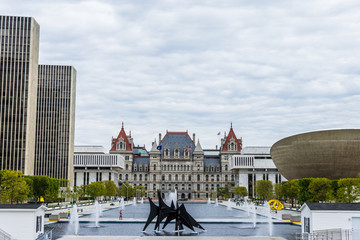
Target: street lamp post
x: 127, y: 193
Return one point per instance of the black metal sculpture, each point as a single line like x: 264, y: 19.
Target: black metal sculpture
x: 179, y: 214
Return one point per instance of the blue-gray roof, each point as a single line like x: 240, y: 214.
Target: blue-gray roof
x: 179, y: 139
x: 212, y: 161
x: 141, y: 161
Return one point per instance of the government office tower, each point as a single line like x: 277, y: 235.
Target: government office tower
x: 30, y: 124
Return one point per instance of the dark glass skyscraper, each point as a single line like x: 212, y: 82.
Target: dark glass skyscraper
x: 55, y: 121
x: 19, y: 48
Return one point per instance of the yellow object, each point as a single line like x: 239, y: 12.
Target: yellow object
x: 41, y: 199
x: 275, y: 204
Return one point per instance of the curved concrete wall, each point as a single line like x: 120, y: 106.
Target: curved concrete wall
x: 332, y: 154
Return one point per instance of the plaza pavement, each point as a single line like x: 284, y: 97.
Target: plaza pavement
x: 167, y: 237
x: 87, y: 209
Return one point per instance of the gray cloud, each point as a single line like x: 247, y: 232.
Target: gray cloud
x: 272, y: 68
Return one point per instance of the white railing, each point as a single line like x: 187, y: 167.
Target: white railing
x: 239, y: 161
x: 46, y: 235
x: 331, y: 234
x: 98, y: 160
x: 4, y: 235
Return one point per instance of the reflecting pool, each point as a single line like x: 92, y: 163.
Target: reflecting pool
x: 204, y: 213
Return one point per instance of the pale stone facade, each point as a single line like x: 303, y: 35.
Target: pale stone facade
x: 177, y: 162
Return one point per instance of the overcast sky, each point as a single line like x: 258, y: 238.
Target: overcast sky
x: 272, y: 68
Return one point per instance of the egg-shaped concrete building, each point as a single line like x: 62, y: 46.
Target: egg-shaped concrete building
x: 332, y: 154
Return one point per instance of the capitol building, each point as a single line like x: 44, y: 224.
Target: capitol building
x: 176, y: 161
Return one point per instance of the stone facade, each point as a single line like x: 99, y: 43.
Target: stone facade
x: 177, y: 162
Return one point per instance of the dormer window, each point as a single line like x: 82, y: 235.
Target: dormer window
x: 232, y: 146
x: 186, y: 152
x: 167, y: 152
x: 121, y: 145
x: 176, y: 153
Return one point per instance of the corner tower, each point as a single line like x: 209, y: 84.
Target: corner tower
x: 230, y: 145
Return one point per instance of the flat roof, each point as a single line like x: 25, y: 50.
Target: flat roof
x: 333, y: 206
x: 20, y: 206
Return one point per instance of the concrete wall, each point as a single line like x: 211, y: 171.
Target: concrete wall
x: 21, y: 223
x: 325, y: 220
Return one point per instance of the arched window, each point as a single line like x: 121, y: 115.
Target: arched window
x: 126, y: 177
x: 176, y: 177
x: 163, y: 187
x: 198, y: 167
x: 145, y: 186
x: 140, y: 177
x: 154, y: 177
x: 198, y: 177
x: 212, y: 178
x: 154, y: 167
x: 169, y: 187
x: 189, y: 177
x: 189, y: 187
x: 212, y: 186
x: 176, y: 186
x: 154, y: 187
x: 212, y: 168
x: 127, y: 166
x: 120, y: 177
x: 145, y: 177
x: 226, y: 167
x: 218, y: 177
x: 226, y: 178
x: 183, y: 177
x: 169, y: 177
x: 178, y: 167
x: 134, y: 177
x: 135, y: 167
x: 167, y: 152
x: 232, y: 178
x: 207, y: 178
x: 163, y: 177
x: 183, y: 187
x: 207, y: 187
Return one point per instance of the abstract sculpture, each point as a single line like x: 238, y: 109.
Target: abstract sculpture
x: 179, y: 214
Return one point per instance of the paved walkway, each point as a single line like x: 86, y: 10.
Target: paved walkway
x: 260, y: 210
x: 167, y: 237
x: 84, y: 209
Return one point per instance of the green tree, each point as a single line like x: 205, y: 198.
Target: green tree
x: 110, y: 188
x: 13, y: 187
x: 52, y: 192
x: 40, y: 186
x: 319, y: 189
x: 95, y: 189
x: 279, y: 191
x: 139, y: 191
x: 334, y: 190
x: 304, y: 194
x: 126, y: 190
x: 349, y: 190
x: 240, y: 191
x: 224, y: 192
x: 264, y: 189
x: 291, y: 190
